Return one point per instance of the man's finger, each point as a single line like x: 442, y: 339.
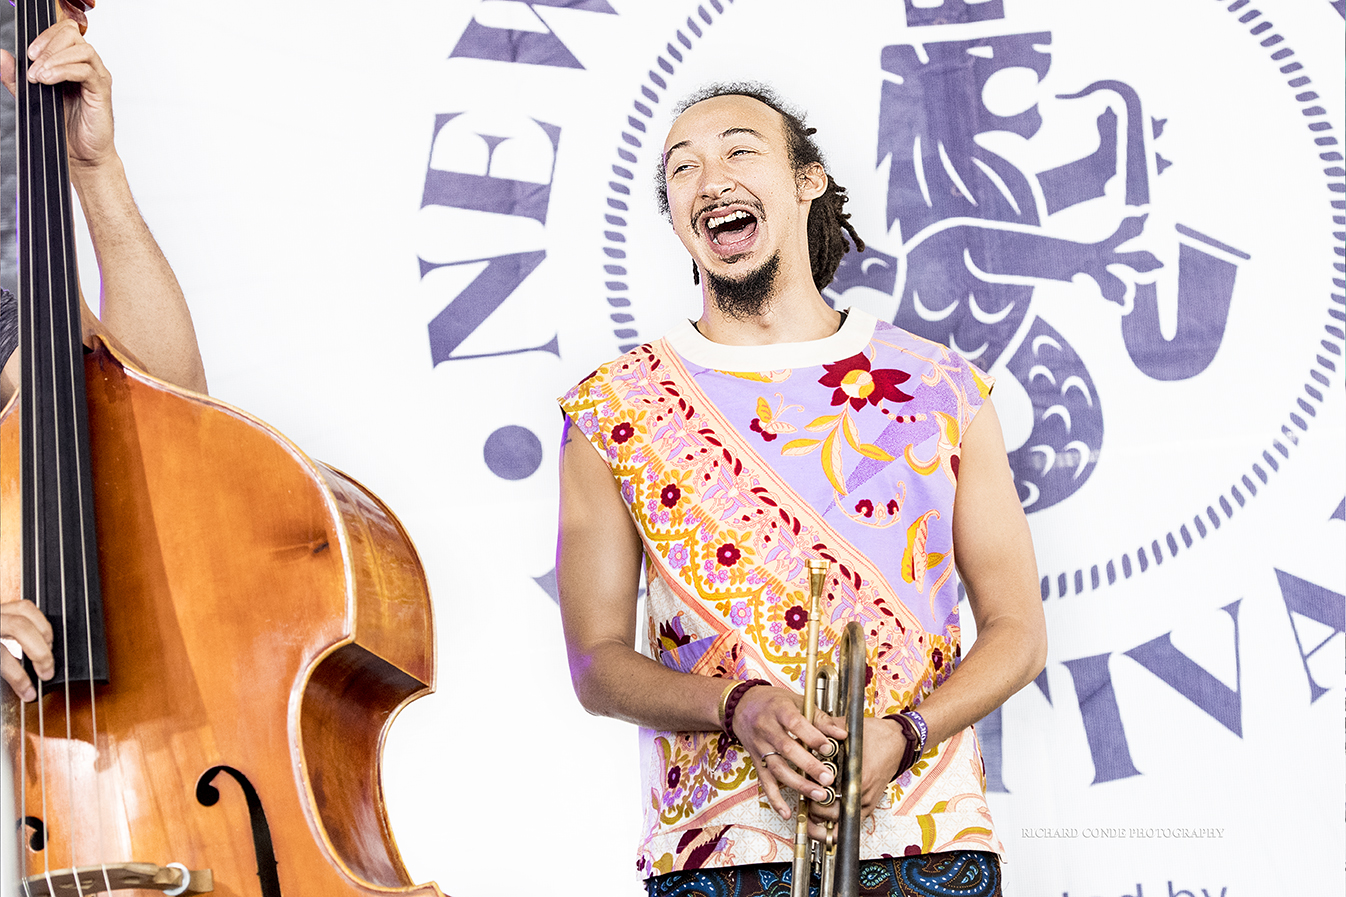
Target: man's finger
x: 767, y: 779
x: 15, y: 675
x: 8, y: 72
x: 62, y: 34
x: 834, y: 726
x: 77, y: 63
x: 29, y: 628
x: 818, y: 831
x: 825, y: 813
x: 74, y: 73
x: 802, y: 772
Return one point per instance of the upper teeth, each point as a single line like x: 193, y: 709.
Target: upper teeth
x: 732, y: 216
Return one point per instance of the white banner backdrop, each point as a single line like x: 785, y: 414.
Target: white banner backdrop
x: 404, y: 228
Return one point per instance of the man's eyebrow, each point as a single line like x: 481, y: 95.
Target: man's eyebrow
x: 723, y: 134
x: 677, y: 146
x: 733, y: 131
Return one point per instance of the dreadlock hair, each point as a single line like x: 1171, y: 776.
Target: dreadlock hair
x: 828, y: 225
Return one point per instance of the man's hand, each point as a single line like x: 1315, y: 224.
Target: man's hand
x: 883, y: 746
x: 26, y: 625
x: 60, y: 54
x: 144, y: 314
x: 770, y: 723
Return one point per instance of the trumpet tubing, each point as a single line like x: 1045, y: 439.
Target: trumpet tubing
x: 836, y: 690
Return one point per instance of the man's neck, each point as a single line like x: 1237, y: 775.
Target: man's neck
x: 789, y: 316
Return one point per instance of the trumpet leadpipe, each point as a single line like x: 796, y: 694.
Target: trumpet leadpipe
x: 802, y: 865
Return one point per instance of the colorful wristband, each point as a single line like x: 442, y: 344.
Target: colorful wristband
x: 921, y: 728
x: 731, y: 699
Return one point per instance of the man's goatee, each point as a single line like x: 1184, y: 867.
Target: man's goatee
x: 746, y: 297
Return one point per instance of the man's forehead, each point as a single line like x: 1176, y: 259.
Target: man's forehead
x: 713, y: 118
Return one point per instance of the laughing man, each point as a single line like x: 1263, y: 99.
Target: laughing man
x: 770, y: 431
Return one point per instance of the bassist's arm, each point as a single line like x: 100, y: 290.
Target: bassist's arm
x: 144, y: 312
x: 143, y: 309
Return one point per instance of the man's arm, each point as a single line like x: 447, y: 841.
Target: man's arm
x: 598, y: 571
x: 143, y: 309
x: 994, y: 552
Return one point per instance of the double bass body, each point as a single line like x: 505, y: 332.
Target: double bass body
x: 266, y: 618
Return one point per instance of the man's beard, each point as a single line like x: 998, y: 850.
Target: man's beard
x: 748, y: 296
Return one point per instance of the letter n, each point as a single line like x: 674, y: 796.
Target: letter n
x: 537, y: 45
x: 477, y: 301
x: 1102, y: 718
x: 1187, y: 678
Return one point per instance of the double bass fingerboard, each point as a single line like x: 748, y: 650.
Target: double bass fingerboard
x: 60, y: 548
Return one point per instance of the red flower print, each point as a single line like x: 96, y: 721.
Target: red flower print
x: 728, y: 554
x: 937, y: 658
x: 756, y: 427
x: 893, y: 506
x: 865, y: 506
x: 857, y: 384
x: 622, y: 432
x: 674, y: 776
x: 669, y: 497
x: 796, y: 617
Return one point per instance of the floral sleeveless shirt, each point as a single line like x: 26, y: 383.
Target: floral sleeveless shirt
x: 740, y: 463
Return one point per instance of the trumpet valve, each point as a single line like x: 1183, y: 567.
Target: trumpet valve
x: 831, y: 749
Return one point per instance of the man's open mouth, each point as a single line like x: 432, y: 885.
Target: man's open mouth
x: 730, y: 231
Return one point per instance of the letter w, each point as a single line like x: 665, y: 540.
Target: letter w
x: 1193, y: 682
x: 532, y: 45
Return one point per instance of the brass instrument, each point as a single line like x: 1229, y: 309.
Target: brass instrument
x: 837, y: 860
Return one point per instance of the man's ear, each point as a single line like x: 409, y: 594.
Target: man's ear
x: 811, y: 182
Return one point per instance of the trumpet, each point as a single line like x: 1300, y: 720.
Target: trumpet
x: 833, y: 689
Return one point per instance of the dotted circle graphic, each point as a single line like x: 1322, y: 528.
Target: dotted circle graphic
x: 632, y: 139
x: 1321, y: 373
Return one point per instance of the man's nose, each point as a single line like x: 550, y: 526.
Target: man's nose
x: 715, y: 182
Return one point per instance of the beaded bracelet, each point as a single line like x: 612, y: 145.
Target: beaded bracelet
x: 731, y: 703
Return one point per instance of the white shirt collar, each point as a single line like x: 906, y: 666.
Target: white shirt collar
x: 855, y: 333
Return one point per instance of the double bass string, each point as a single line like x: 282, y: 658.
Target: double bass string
x: 30, y: 482
x: 52, y: 222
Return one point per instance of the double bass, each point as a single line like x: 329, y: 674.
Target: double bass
x: 236, y: 625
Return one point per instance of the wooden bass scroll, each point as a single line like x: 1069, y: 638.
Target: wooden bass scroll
x: 264, y: 617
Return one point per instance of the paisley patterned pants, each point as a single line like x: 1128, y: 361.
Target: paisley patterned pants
x: 961, y: 874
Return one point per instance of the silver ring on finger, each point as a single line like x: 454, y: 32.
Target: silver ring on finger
x: 769, y: 754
